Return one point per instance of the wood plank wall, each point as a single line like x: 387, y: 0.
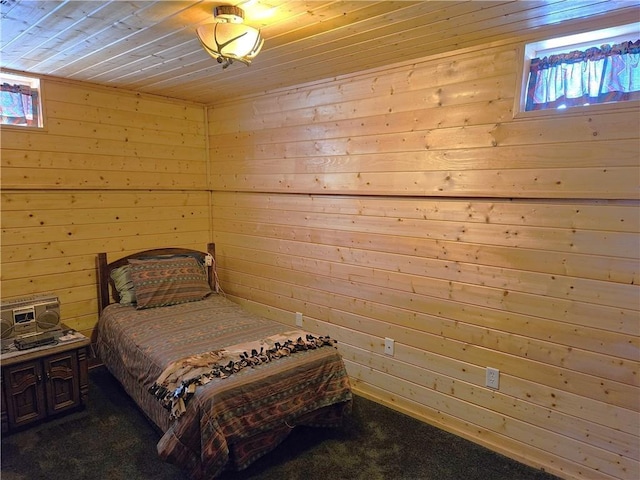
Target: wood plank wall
x: 408, y: 203
x: 112, y: 171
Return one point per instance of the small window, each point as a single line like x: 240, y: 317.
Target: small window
x: 20, y: 101
x: 580, y: 70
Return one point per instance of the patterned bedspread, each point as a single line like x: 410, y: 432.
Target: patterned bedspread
x: 230, y: 421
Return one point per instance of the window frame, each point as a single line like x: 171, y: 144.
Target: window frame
x: 26, y: 79
x: 562, y: 44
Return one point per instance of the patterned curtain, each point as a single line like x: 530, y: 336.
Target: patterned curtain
x: 598, y: 75
x: 18, y: 105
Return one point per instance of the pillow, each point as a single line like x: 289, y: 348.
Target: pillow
x: 124, y: 285
x: 162, y: 282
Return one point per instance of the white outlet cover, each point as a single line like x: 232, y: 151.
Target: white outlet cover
x: 493, y: 378
x: 388, y: 346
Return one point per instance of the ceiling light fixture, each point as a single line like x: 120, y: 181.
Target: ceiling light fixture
x: 228, y: 39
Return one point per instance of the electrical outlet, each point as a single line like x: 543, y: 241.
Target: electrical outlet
x: 388, y: 346
x: 493, y: 378
x: 299, y: 319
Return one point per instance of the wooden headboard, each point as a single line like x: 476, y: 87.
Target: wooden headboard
x: 107, y: 292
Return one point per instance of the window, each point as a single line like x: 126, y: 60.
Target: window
x: 580, y: 70
x: 20, y: 101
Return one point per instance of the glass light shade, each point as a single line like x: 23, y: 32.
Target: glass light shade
x: 230, y: 41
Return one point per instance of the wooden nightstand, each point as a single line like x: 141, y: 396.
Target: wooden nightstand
x: 43, y: 382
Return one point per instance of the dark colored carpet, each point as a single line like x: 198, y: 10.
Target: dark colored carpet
x: 112, y: 440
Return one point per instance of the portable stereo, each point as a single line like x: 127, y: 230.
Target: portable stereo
x: 38, y: 313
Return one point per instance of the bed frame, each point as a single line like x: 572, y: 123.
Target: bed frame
x: 107, y: 292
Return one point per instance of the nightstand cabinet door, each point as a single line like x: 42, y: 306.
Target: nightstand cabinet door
x: 41, y: 383
x: 25, y: 393
x: 39, y: 388
x: 61, y: 385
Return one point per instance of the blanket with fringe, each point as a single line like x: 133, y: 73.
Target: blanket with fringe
x: 178, y: 382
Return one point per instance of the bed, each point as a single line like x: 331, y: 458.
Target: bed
x: 223, y: 386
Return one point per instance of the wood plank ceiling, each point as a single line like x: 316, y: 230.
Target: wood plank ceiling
x: 151, y: 46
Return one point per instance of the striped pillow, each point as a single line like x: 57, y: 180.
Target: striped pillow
x: 162, y: 282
